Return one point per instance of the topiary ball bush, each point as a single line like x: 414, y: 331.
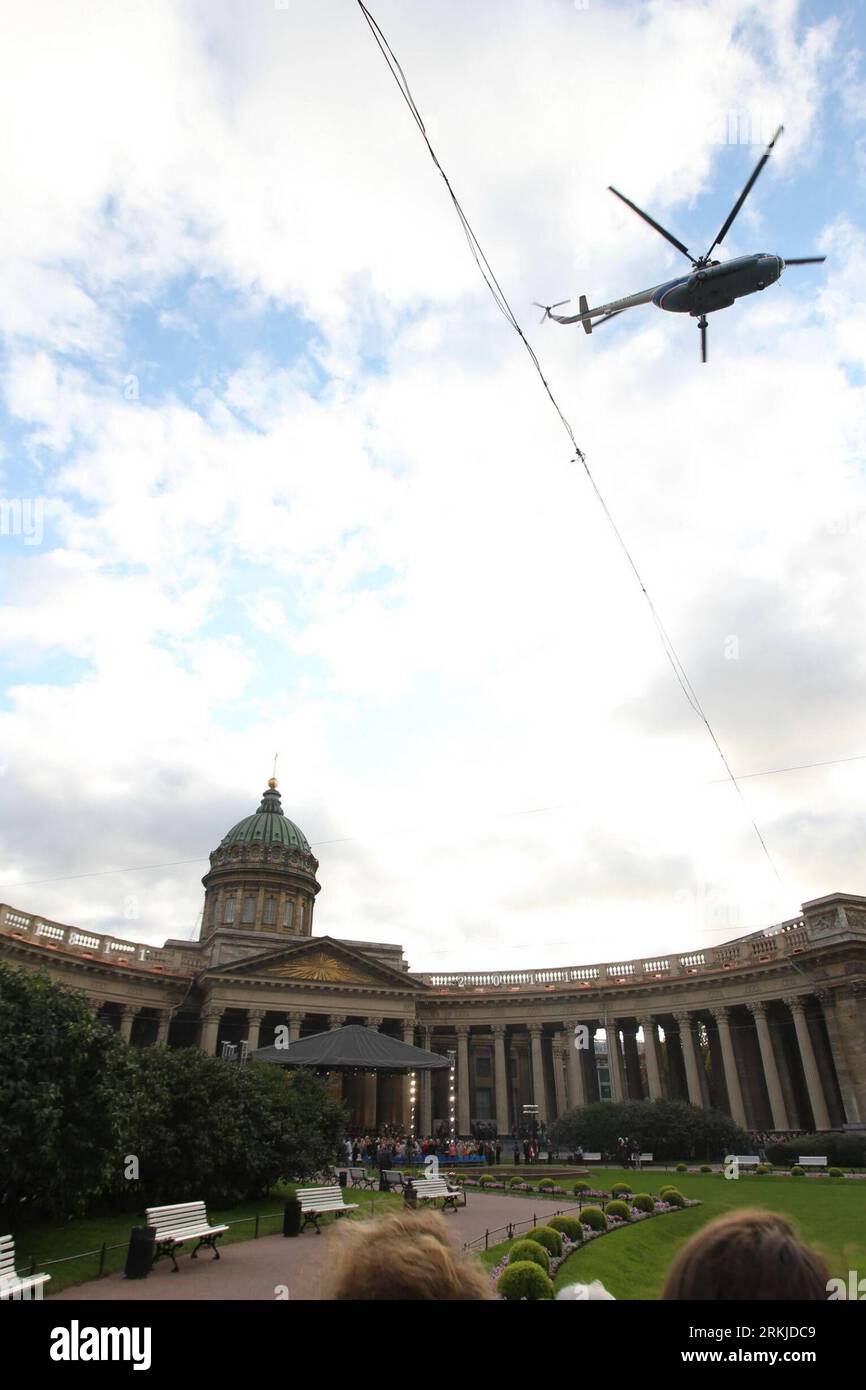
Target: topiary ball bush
x: 549, y: 1238
x: 835, y: 1173
x: 594, y: 1218
x: 529, y: 1250
x: 545, y: 1182
x: 524, y: 1280
x: 486, y: 1180
x: 567, y: 1226
x: 705, y: 1168
x: 682, y: 1168
x: 762, y: 1170
x: 620, y: 1189
x: 797, y: 1171
x: 643, y: 1201
x: 618, y: 1210
x: 668, y: 1187
x: 515, y: 1182
x: 674, y: 1198
x: 582, y: 1186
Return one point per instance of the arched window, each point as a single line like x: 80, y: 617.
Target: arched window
x: 270, y: 916
x: 288, y: 913
x: 229, y: 910
x: 249, y: 908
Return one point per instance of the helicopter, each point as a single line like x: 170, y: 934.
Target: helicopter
x: 711, y: 285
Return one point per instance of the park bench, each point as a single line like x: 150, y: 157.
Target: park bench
x: 746, y: 1160
x: 176, y: 1225
x: 14, y: 1285
x: 644, y: 1158
x: 391, y: 1179
x: 592, y: 1158
x: 317, y: 1202
x: 812, y: 1162
x: 431, y: 1189
x: 359, y: 1177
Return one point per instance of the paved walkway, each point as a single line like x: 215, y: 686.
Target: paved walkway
x: 259, y: 1269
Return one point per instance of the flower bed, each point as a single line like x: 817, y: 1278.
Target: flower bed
x: 612, y: 1223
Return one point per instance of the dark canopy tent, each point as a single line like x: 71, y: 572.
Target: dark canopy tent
x: 353, y: 1049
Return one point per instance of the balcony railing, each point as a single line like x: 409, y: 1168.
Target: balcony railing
x: 56, y: 936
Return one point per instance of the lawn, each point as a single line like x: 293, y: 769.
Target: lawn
x: 830, y: 1215
x: 78, y: 1243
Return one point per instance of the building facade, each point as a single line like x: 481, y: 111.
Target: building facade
x: 770, y: 1028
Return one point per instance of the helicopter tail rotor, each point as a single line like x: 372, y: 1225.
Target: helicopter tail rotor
x: 547, y: 307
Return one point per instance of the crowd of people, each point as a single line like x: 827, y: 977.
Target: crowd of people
x: 744, y: 1255
x: 392, y: 1146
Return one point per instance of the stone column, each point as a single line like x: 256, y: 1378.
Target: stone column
x: 729, y: 1066
x: 295, y: 1018
x: 463, y: 1097
x: 500, y: 1080
x: 820, y: 1114
x: 425, y: 1118
x: 839, y: 1056
x: 559, y: 1075
x: 771, y: 1071
x: 538, y: 1095
x: 690, y: 1058
x: 651, y: 1053
x: 634, y: 1087
x: 409, y: 1037
x: 574, y: 1054
x: 210, y: 1024
x: 127, y: 1018
x: 614, y: 1059
x: 255, y: 1019
x: 336, y: 1021
x: 162, y: 1027
x: 371, y: 1091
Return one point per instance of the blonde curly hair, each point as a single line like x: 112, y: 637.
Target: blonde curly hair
x: 402, y: 1256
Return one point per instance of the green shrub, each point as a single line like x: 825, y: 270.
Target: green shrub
x: 618, y: 1209
x: 682, y: 1168
x: 568, y: 1225
x: 515, y: 1182
x: 835, y: 1173
x: 545, y: 1182
x: 797, y: 1171
x: 706, y: 1168
x: 582, y: 1186
x: 668, y: 1187
x: 762, y: 1170
x: 621, y: 1189
x: 594, y: 1218
x: 673, y: 1197
x: 841, y: 1148
x: 524, y: 1280
x: 643, y: 1201
x: 666, y: 1128
x: 549, y: 1238
x: 486, y: 1180
x: 529, y: 1250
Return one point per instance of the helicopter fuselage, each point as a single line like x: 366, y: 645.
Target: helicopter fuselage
x: 718, y: 285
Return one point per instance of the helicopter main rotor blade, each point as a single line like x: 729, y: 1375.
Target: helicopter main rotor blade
x: 668, y: 236
x: 805, y: 260
x: 726, y: 226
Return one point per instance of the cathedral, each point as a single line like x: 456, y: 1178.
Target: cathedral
x: 780, y: 1014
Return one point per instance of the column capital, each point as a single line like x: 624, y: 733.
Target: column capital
x: 498, y: 1029
x: 826, y: 998
x: 295, y: 1015
x: 212, y: 1015
x: 758, y: 1009
x: 646, y: 1021
x: 721, y: 1012
x: 255, y: 1015
x: 535, y: 1030
x: 336, y: 1020
x: 684, y: 1018
x: 462, y: 1030
x: 796, y: 1002
x: 375, y: 1022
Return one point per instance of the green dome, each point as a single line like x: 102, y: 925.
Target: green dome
x: 268, y: 826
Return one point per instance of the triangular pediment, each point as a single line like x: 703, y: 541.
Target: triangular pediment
x: 320, y: 960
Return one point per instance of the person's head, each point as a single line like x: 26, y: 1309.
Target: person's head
x: 405, y: 1256
x: 752, y: 1255
x: 585, y: 1293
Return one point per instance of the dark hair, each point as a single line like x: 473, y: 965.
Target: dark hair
x: 751, y: 1255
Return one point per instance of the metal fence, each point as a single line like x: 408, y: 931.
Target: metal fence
x: 483, y: 1242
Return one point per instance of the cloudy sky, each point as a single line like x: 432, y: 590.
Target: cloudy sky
x: 284, y: 478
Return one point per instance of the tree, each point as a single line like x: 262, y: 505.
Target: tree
x: 59, y: 1098
x: 666, y: 1128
